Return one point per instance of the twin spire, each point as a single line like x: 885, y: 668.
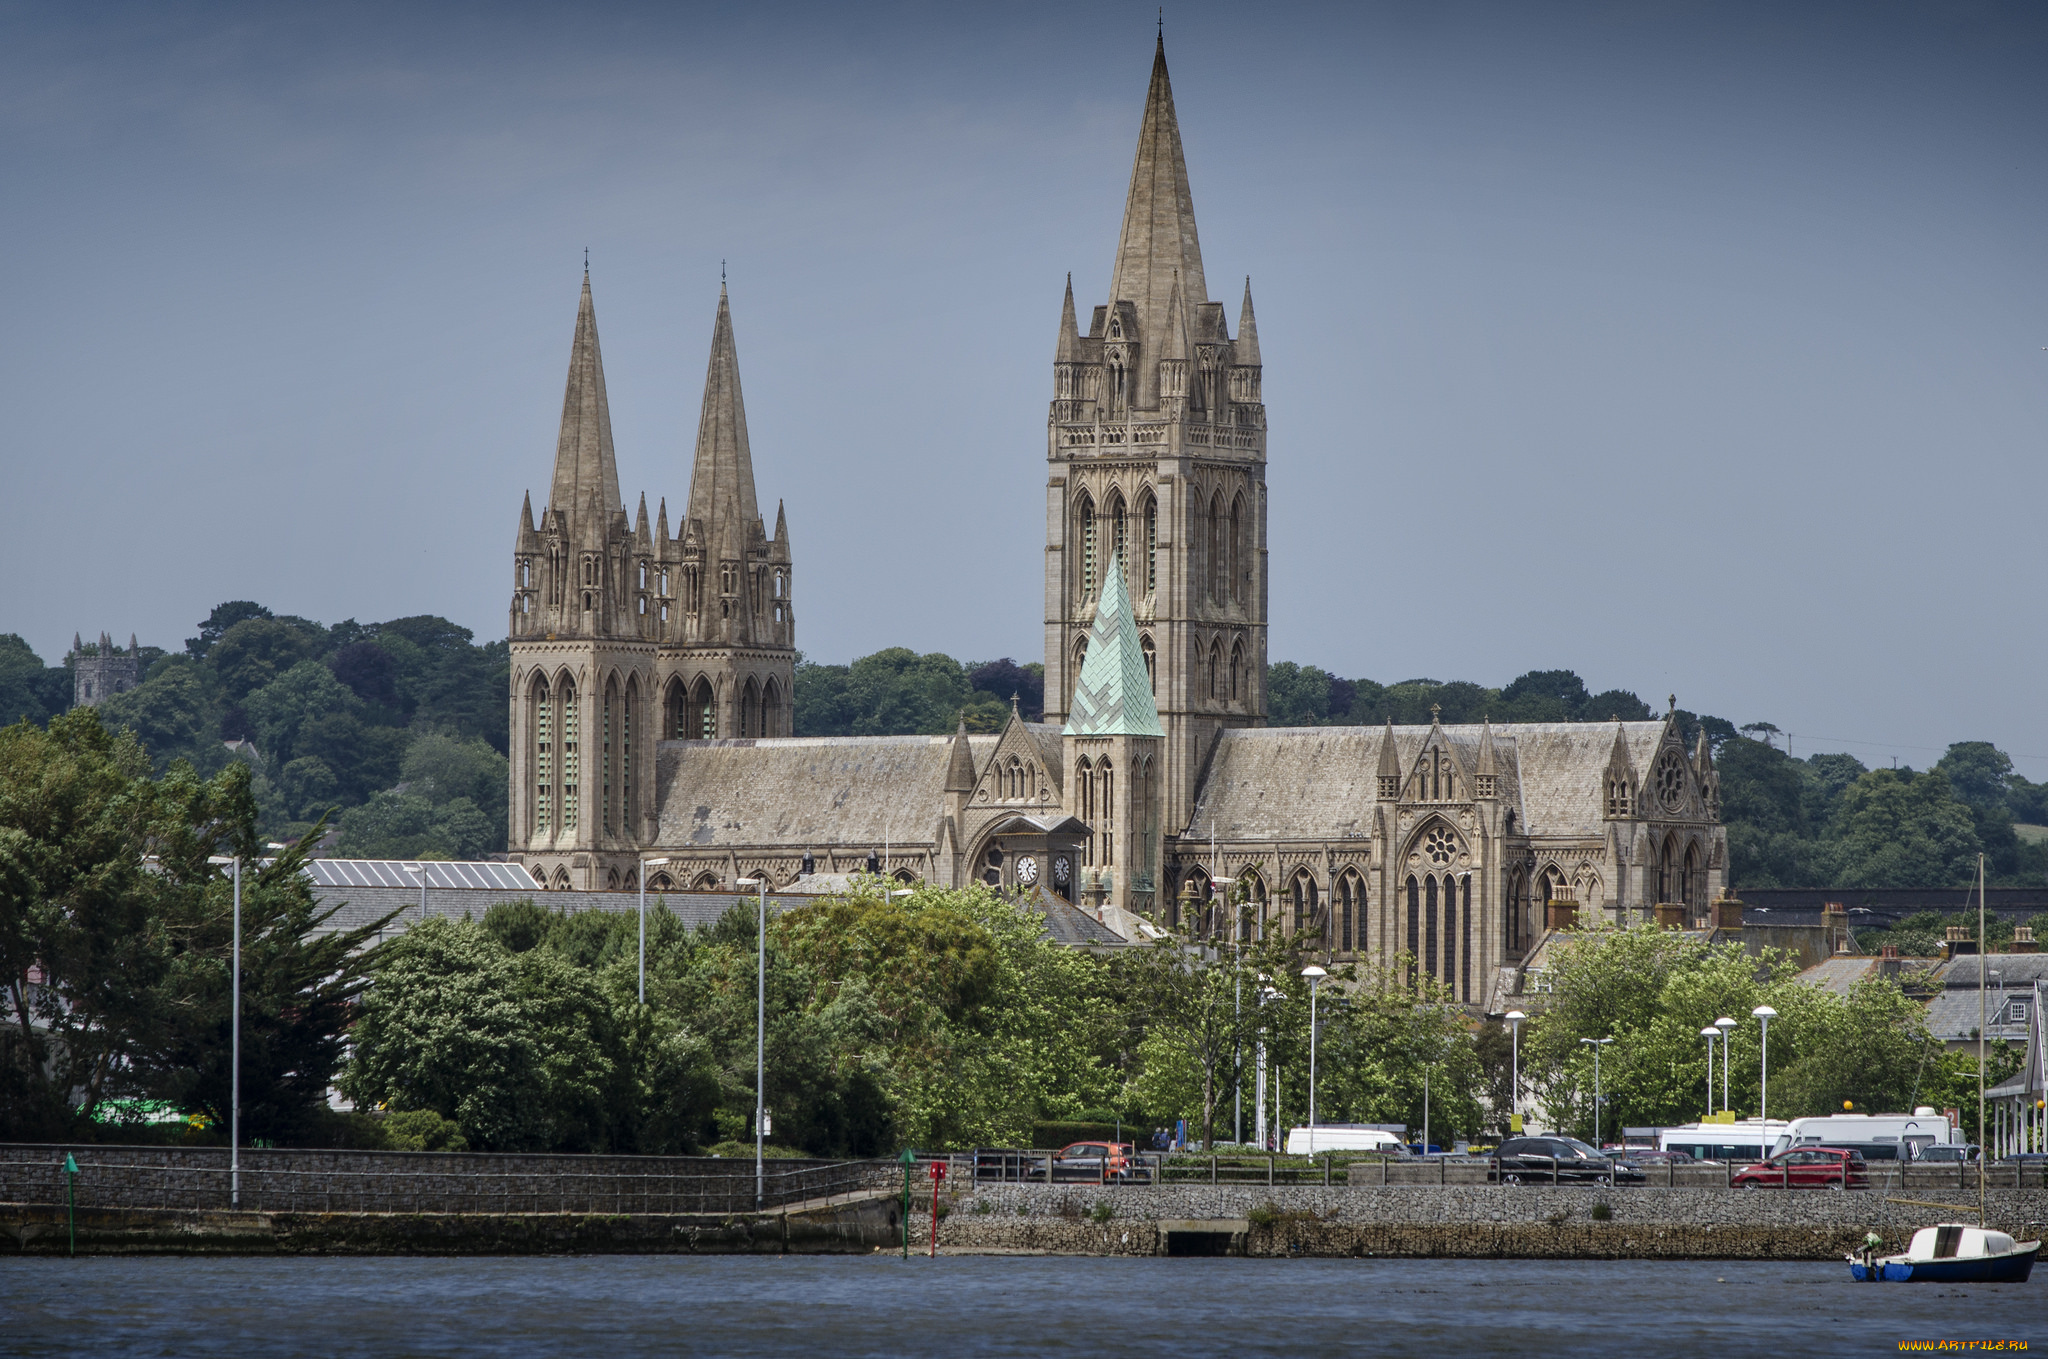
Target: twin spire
x: 722, y: 499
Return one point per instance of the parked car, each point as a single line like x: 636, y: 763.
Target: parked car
x: 1092, y: 1156
x: 1650, y: 1156
x: 1947, y: 1151
x: 1807, y: 1168
x: 1559, y: 1160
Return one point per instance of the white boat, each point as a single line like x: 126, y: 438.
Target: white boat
x: 1952, y: 1252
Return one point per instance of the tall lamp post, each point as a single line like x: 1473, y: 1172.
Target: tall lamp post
x: 1724, y: 1024
x: 760, y: 1023
x: 1596, y: 1044
x: 641, y: 878
x: 1266, y: 995
x: 1514, y: 1019
x: 1315, y: 977
x: 1710, y: 1033
x: 1764, y: 1014
x: 419, y: 871
x: 235, y: 1042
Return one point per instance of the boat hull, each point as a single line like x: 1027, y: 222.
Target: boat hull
x: 2013, y: 1266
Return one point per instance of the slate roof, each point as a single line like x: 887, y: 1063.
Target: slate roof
x: 1068, y: 924
x: 803, y: 791
x: 362, y: 905
x: 1317, y: 783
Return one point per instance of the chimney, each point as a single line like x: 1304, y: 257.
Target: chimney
x: 2023, y: 940
x: 1670, y: 915
x: 1562, y: 912
x: 1727, y: 912
x: 1959, y: 943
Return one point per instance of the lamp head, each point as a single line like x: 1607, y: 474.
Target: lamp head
x: 1765, y: 1013
x: 1724, y: 1023
x: 743, y: 882
x: 1514, y: 1016
x: 1710, y: 1032
x: 1313, y: 973
x: 661, y: 860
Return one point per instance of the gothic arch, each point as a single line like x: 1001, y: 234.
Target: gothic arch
x: 771, y: 709
x: 1237, y: 675
x: 543, y: 751
x: 1692, y: 879
x: 1215, y: 670
x: 1305, y: 897
x: 703, y: 710
x: 1151, y: 655
x: 707, y: 882
x: 1348, y: 895
x: 1234, y: 592
x: 661, y: 882
x: 1119, y: 531
x: 1148, y: 513
x: 561, y: 880
x: 1087, y: 573
x: 674, y: 706
x: 1218, y: 553
x: 750, y: 708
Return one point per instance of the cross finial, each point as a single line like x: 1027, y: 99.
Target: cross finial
x: 721, y: 272
x: 586, y: 259
x: 1673, y: 700
x: 1162, y: 23
x: 1435, y: 709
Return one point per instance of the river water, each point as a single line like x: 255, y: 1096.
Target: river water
x: 618, y: 1306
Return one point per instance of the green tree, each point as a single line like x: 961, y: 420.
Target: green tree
x: 174, y: 713
x: 256, y: 651
x: 522, y: 1051
x: 1900, y: 829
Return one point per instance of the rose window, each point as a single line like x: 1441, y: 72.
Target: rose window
x: 1671, y: 779
x: 1440, y: 846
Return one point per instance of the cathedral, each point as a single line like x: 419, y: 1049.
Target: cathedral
x: 652, y: 670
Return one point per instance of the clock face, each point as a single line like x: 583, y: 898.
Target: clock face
x: 1060, y: 870
x: 1027, y: 870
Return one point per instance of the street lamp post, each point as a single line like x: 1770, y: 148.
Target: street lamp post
x: 235, y: 1040
x: 1596, y: 1044
x: 1266, y: 994
x: 1764, y: 1014
x: 760, y: 1025
x: 641, y: 878
x: 1724, y: 1024
x: 1710, y: 1033
x: 1315, y: 977
x: 1515, y: 1018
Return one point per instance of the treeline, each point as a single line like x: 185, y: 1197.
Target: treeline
x: 395, y: 730
x: 897, y: 692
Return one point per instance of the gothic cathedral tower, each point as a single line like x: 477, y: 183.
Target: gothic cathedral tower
x: 1156, y: 456
x: 622, y: 636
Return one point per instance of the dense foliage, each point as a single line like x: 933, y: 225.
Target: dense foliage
x: 900, y: 693
x: 396, y: 729
x: 1652, y: 991
x: 115, y: 935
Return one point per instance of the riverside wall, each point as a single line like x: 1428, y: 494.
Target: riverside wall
x: 1455, y: 1221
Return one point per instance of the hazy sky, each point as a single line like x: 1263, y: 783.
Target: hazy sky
x: 1695, y: 347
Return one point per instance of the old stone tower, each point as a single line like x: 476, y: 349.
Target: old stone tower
x: 623, y: 635
x: 1156, y: 452
x: 103, y: 672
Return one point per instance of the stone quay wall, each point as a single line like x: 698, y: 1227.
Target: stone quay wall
x: 310, y: 1181
x: 1516, y: 1221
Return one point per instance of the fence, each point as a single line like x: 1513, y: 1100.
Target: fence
x: 424, y: 1182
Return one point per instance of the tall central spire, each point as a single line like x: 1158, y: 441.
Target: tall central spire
x: 723, y: 477
x: 584, y: 463
x: 1158, y: 239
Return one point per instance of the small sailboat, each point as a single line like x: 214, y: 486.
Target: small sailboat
x: 1950, y: 1253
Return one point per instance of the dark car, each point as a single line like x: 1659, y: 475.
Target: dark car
x: 1557, y: 1160
x: 1807, y: 1168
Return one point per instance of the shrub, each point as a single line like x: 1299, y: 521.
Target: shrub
x: 1603, y: 1211
x: 1102, y: 1211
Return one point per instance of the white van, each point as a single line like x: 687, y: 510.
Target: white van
x: 1327, y: 1137
x: 1910, y: 1133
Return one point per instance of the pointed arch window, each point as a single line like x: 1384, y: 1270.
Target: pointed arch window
x: 571, y: 756
x: 1119, y: 536
x: 543, y: 758
x: 607, y: 757
x: 1105, y: 778
x: 1351, y: 912
x: 750, y: 709
x: 703, y: 715
x: 1304, y: 901
x: 1235, y: 588
x: 1151, y: 544
x: 1084, y: 786
x: 1085, y: 512
x: 628, y: 715
x: 1215, y: 670
x: 1237, y: 676
x: 1217, y: 551
x: 771, y: 709
x: 1151, y: 655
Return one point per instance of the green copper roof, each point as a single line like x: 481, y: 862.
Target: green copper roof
x: 1113, y: 697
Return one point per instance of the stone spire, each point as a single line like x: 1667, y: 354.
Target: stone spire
x: 724, y: 472
x: 1245, y: 353
x: 1159, y: 217
x: 960, y: 763
x: 1069, y: 348
x: 1113, y: 696
x: 1485, y: 765
x: 584, y: 465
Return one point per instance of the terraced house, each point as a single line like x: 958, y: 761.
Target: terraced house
x: 652, y: 672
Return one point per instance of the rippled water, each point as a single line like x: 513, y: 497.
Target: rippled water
x: 614, y: 1306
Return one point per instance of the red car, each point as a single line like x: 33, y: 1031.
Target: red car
x: 1807, y: 1168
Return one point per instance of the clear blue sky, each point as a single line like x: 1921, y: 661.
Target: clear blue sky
x: 1696, y: 347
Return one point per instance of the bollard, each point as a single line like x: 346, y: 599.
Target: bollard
x: 71, y: 1199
